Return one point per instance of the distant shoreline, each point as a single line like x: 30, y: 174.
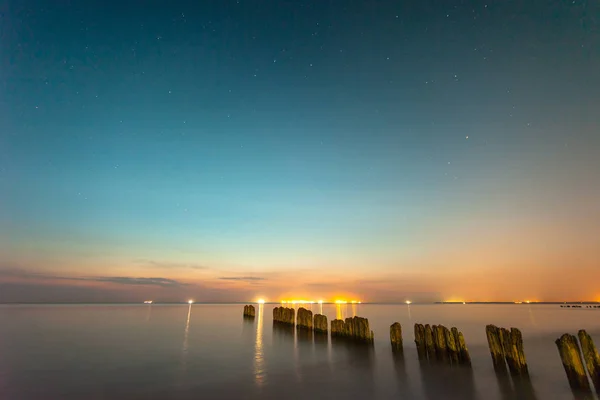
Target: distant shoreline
x: 332, y: 303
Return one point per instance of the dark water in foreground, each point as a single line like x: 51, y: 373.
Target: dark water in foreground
x: 210, y: 352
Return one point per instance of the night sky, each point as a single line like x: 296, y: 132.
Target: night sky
x: 230, y: 150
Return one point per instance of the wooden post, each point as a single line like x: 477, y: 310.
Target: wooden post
x: 249, y: 311
x: 495, y: 344
x: 305, y: 319
x: 572, y: 363
x: 464, y: 357
x: 358, y: 328
x: 439, y: 339
x: 290, y: 316
x: 396, y: 337
x: 429, y: 346
x: 518, y: 352
x: 337, y: 327
x: 420, y: 341
x: 452, y: 346
x: 284, y: 315
x: 512, y: 344
x: 591, y: 357
x: 320, y: 323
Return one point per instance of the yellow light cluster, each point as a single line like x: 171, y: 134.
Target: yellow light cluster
x: 300, y: 302
x: 318, y: 301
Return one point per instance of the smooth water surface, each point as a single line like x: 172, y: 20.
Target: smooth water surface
x: 210, y: 352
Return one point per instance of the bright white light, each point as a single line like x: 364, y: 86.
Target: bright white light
x: 320, y: 301
x: 408, y: 301
x: 190, y: 301
x: 261, y: 301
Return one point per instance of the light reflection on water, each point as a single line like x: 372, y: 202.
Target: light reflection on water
x: 74, y: 352
x: 259, y: 373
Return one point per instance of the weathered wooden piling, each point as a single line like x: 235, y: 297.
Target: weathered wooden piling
x: 518, y: 350
x: 284, y: 315
x: 570, y: 356
x: 420, y: 341
x: 451, y: 345
x: 356, y: 328
x: 429, y: 346
x: 249, y: 311
x: 512, y: 346
x: 396, y: 337
x: 320, y: 323
x: 495, y: 344
x: 591, y: 357
x: 436, y: 342
x: 304, y: 319
x: 439, y: 341
x: 463, y: 352
x: 337, y: 327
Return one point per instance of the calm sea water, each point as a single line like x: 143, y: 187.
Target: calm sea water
x: 211, y: 352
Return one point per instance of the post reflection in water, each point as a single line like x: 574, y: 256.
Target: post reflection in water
x: 443, y: 381
x: 259, y: 359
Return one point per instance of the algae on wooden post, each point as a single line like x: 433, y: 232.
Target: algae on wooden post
x: 568, y: 349
x: 420, y: 341
x: 495, y: 344
x: 429, y: 345
x: 465, y: 358
x: 591, y: 357
x: 507, y: 346
x: 512, y: 344
x: 396, y: 337
x: 320, y: 323
x: 518, y: 352
x: 304, y: 319
x: 452, y: 346
x: 439, y: 339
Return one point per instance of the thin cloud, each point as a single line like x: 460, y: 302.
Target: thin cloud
x: 127, y: 280
x: 242, y: 278
x: 121, y: 280
x: 170, y: 265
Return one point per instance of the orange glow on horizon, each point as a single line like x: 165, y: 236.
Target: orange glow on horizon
x: 337, y: 301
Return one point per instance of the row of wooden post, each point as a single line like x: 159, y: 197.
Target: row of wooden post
x: 442, y: 344
x: 356, y: 328
x: 575, y: 365
x: 249, y: 311
x: 506, y: 348
x: 436, y: 342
